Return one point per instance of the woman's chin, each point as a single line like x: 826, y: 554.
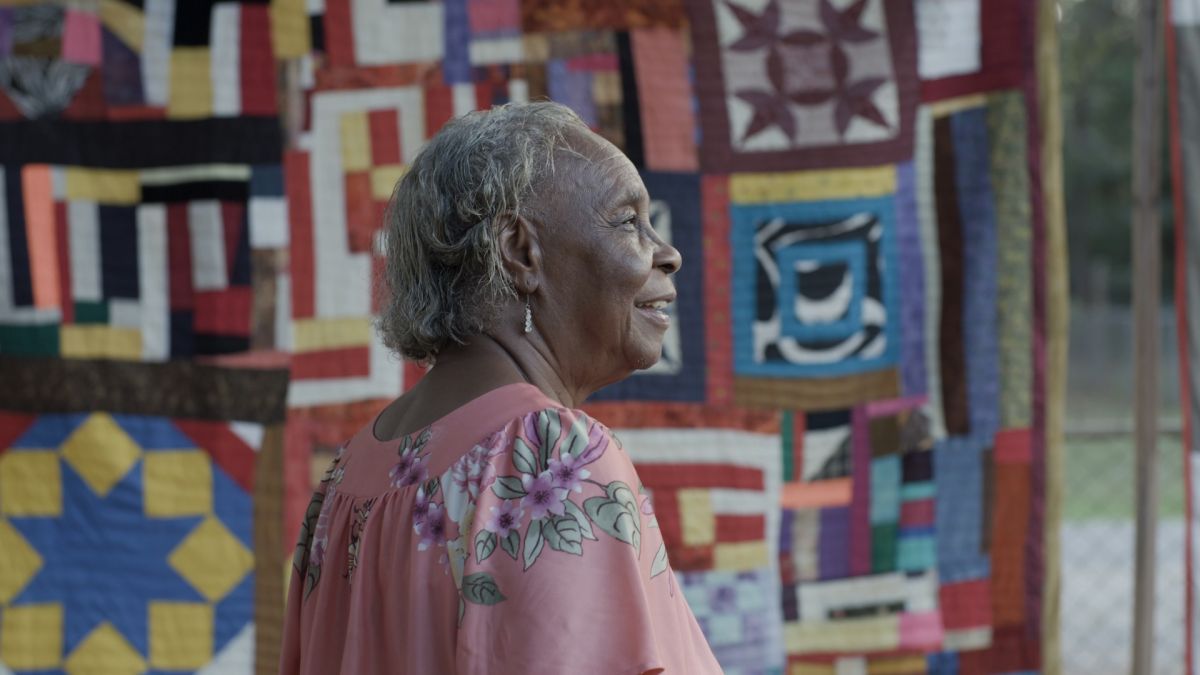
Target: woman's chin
x: 646, y: 357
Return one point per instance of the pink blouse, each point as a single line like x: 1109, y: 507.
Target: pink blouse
x: 511, y: 536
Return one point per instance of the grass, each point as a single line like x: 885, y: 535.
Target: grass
x: 1100, y: 474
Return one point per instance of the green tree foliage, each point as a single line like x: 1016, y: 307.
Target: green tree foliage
x: 1099, y: 52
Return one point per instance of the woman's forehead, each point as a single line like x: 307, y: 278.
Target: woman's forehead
x: 603, y: 171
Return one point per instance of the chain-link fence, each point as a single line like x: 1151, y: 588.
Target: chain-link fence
x: 1098, y: 531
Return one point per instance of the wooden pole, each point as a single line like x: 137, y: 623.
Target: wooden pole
x: 1146, y: 240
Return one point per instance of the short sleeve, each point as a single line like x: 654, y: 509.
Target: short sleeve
x: 565, y: 570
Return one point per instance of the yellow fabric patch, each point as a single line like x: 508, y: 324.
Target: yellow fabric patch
x: 801, y: 186
x: 177, y: 483
x: 812, y: 669
x: 104, y: 652
x: 872, y: 634
x: 106, y: 186
x: 384, y: 178
x: 954, y: 105
x: 212, y: 559
x: 93, y: 341
x: 31, y: 636
x: 101, y: 452
x: 30, y: 483
x: 606, y: 88
x: 125, y: 21
x: 191, y: 94
x: 699, y: 523
x: 290, y: 29
x: 897, y: 665
x: 742, y: 555
x: 181, y: 635
x: 310, y: 335
x: 18, y: 564
x: 356, y: 142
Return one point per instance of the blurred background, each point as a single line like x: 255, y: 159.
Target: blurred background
x: 1099, y: 50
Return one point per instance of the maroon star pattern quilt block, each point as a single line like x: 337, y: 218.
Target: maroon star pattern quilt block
x: 833, y: 80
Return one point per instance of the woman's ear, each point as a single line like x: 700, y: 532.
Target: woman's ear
x: 520, y: 252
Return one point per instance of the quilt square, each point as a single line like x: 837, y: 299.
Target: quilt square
x: 815, y: 288
x: 130, y: 264
x: 966, y: 46
x: 788, y: 84
x: 155, y: 487
x: 714, y: 494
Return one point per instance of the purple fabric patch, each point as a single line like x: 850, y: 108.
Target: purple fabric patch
x: 722, y: 599
x: 456, y: 64
x: 785, y: 530
x: 912, y: 283
x: 860, y: 504
x: 6, y: 31
x: 572, y: 88
x: 835, y: 543
x: 122, y: 72
x: 977, y: 205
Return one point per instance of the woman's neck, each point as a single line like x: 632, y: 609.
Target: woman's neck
x: 494, y: 361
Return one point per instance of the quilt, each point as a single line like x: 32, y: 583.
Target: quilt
x: 852, y: 439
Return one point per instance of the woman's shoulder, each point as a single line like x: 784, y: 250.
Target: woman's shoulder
x: 538, y: 458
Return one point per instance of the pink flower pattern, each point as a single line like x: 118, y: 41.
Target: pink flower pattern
x: 533, y: 473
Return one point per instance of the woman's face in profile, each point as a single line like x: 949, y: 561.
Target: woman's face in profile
x: 607, y: 272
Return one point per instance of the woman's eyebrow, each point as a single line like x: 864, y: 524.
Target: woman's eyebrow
x: 630, y: 195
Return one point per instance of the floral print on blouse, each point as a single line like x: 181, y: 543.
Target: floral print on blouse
x: 540, y: 486
x: 458, y: 548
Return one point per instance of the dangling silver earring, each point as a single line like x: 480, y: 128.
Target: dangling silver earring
x: 528, y: 316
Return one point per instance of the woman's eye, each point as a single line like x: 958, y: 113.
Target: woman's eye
x: 630, y: 223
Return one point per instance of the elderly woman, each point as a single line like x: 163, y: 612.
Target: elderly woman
x: 481, y: 523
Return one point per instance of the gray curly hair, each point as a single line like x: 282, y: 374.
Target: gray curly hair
x: 445, y: 280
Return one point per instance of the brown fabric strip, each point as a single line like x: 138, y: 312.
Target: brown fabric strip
x: 815, y: 395
x: 268, y: 551
x: 172, y: 389
x: 950, y: 243
x: 988, y: 498
x: 265, y: 266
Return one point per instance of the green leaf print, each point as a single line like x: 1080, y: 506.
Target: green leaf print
x: 534, y: 542
x: 549, y: 427
x: 510, y: 543
x: 660, y: 561
x: 585, y: 526
x: 577, y: 438
x: 563, y: 534
x: 481, y: 589
x: 617, y: 514
x: 524, y: 459
x: 508, y: 487
x: 485, y: 544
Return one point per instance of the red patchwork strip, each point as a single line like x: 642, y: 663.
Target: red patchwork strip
x: 224, y: 312
x: 330, y: 363
x: 675, y: 476
x: 735, y: 528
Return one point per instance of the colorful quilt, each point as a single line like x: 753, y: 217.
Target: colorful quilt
x: 851, y: 440
x: 1183, y: 86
